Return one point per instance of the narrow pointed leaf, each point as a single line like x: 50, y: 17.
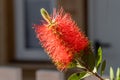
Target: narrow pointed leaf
x: 99, y: 57
x: 86, y: 75
x: 78, y: 76
x: 89, y: 60
x: 79, y: 64
x: 111, y: 74
x: 118, y: 74
x: 103, y: 67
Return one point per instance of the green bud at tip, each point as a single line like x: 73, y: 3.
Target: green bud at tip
x: 45, y: 15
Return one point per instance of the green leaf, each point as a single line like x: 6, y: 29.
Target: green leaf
x: 111, y: 74
x: 99, y: 58
x: 72, y: 65
x: 89, y: 61
x: 78, y: 76
x: 103, y: 67
x: 118, y: 74
x: 79, y: 64
x: 86, y: 75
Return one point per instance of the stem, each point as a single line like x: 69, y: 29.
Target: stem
x: 97, y: 75
x: 87, y: 69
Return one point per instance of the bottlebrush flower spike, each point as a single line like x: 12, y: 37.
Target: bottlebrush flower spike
x: 61, y: 37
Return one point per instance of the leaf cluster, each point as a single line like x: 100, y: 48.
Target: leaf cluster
x: 90, y: 64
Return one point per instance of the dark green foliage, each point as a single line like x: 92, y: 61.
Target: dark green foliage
x: 78, y: 76
x: 103, y: 67
x: 89, y: 61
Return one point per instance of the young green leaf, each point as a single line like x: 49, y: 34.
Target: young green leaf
x: 111, y: 74
x: 103, y: 67
x: 78, y: 76
x: 99, y: 58
x: 118, y: 74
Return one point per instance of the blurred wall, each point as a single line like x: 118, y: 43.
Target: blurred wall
x: 7, y: 29
x: 2, y: 32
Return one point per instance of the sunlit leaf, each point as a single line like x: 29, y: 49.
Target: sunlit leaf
x: 95, y: 70
x: 118, y: 74
x: 79, y: 64
x: 111, y: 74
x: 99, y: 57
x: 86, y: 75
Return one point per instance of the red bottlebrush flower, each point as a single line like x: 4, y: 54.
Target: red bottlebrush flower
x: 61, y: 38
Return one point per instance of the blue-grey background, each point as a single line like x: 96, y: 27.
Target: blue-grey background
x: 33, y: 16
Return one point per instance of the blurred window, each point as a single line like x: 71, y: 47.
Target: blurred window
x: 27, y: 13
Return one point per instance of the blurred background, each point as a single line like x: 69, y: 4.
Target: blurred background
x: 19, y: 48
